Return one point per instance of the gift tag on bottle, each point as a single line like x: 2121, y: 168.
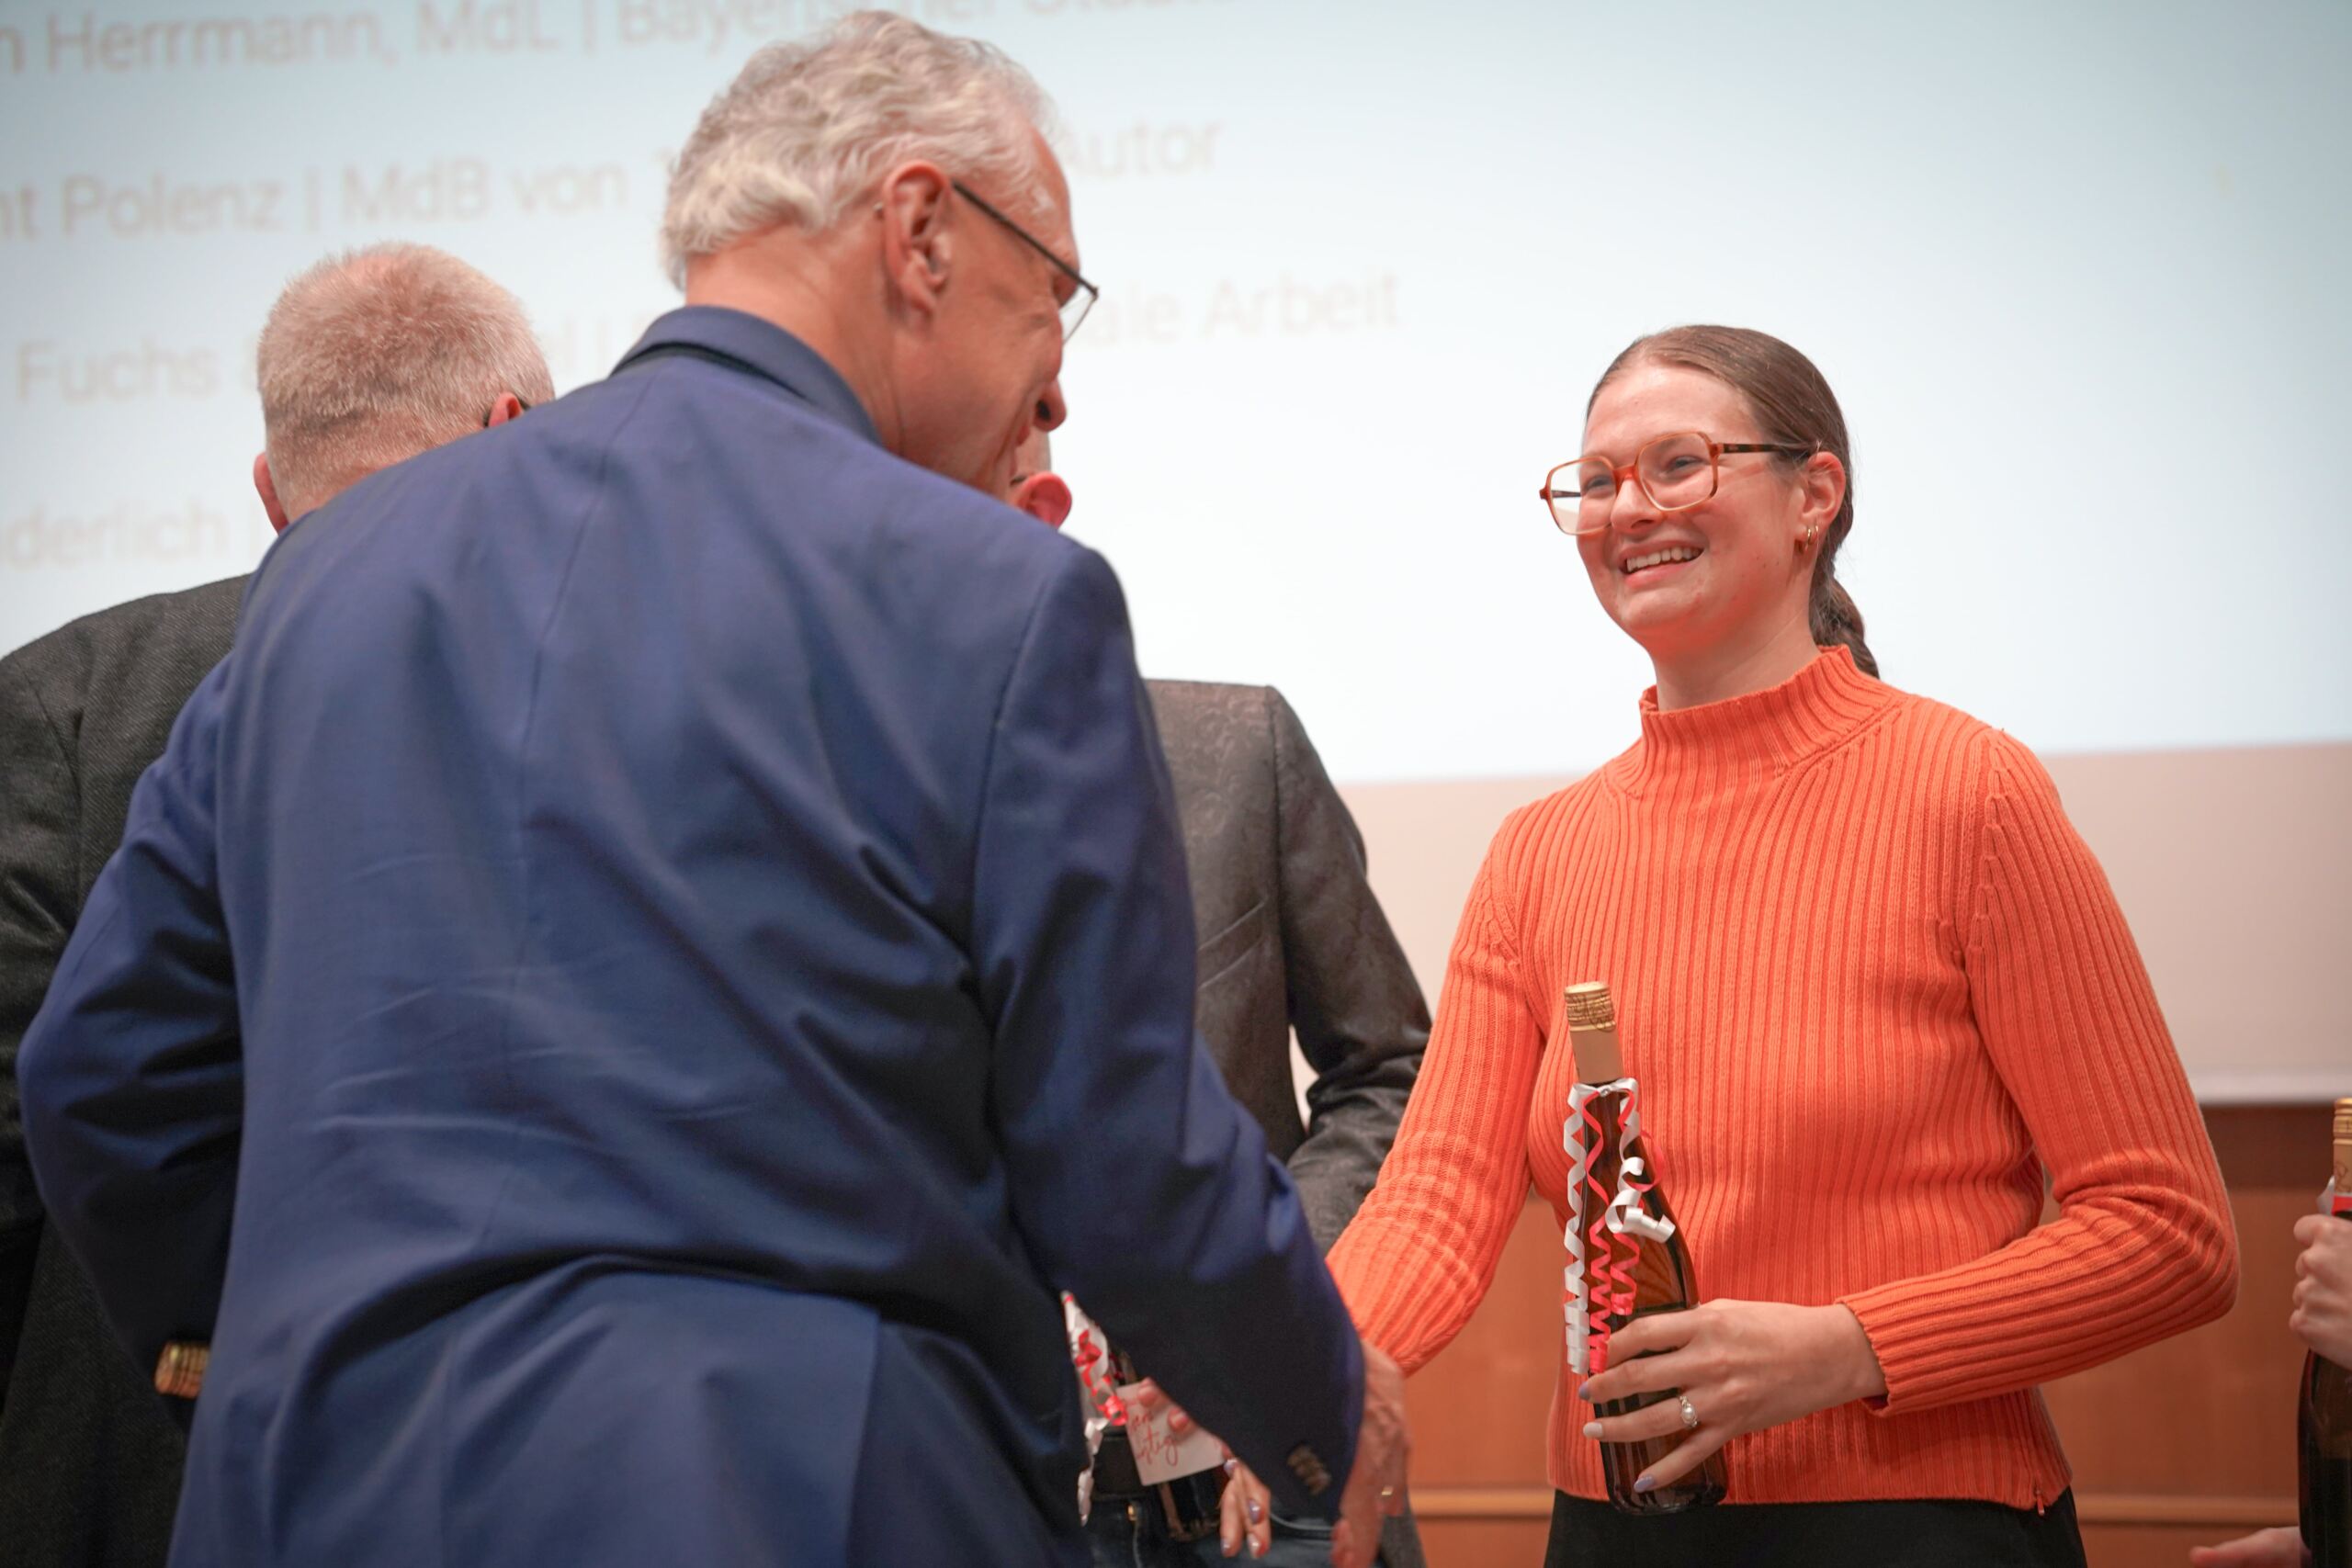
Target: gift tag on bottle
x: 1159, y: 1455
x: 1162, y: 1457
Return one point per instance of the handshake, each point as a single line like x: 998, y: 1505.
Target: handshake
x: 1375, y: 1485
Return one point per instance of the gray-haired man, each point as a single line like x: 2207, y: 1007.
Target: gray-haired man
x: 770, y: 979
x: 368, y: 358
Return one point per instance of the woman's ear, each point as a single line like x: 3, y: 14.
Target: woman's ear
x: 1823, y: 478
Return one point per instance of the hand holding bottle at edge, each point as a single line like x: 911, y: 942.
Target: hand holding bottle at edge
x: 2323, y: 1314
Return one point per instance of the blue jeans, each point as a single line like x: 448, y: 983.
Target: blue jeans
x: 1124, y: 1533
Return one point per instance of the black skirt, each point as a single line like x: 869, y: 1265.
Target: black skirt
x: 1921, y: 1534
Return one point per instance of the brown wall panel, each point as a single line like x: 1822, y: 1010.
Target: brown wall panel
x: 2142, y: 1546
x: 1476, y: 1543
x: 1478, y: 1410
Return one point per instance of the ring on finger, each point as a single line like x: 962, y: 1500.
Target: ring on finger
x: 1689, y: 1412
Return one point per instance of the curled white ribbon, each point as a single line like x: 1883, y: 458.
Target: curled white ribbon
x: 1576, y: 1296
x: 1623, y: 1213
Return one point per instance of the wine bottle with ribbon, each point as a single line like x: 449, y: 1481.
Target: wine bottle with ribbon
x: 1627, y: 1257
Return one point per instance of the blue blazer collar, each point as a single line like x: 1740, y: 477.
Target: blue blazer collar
x: 763, y: 349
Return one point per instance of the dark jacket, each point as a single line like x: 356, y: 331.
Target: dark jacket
x: 711, y: 956
x: 89, y: 1458
x: 1292, y: 939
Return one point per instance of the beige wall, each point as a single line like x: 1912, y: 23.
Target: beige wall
x: 2234, y: 866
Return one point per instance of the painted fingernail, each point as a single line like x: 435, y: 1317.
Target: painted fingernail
x: 1593, y: 1428
x: 1646, y: 1483
x: 1256, y: 1510
x: 1231, y: 1465
x: 1227, y: 1544
x: 1257, y: 1549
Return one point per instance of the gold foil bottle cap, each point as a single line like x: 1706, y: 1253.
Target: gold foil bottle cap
x: 2343, y: 1120
x: 1589, y: 1006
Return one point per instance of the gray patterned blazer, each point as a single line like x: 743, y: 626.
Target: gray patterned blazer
x: 1291, y: 937
x: 89, y: 1460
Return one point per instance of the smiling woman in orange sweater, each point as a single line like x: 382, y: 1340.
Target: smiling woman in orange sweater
x: 1873, y: 985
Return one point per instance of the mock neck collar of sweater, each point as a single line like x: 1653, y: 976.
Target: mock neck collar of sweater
x: 1767, y: 731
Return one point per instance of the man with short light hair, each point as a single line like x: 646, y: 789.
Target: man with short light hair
x: 377, y: 355
x: 367, y: 359
x: 700, y: 900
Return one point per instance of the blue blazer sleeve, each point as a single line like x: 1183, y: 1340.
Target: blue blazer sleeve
x: 131, y: 1075
x: 1137, y: 1183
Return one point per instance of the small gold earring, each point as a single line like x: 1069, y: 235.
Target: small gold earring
x: 1806, y: 543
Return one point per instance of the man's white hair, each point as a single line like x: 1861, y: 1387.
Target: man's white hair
x: 374, y: 355
x: 808, y: 127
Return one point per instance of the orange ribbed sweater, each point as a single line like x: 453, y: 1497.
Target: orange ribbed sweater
x: 1872, y: 983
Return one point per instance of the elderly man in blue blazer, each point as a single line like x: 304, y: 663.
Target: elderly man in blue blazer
x: 666, y: 943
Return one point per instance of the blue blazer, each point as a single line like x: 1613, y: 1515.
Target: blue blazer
x: 630, y: 989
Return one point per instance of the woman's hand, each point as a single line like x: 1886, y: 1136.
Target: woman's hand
x: 1246, y: 1514
x: 1376, y: 1486
x: 2323, y: 1316
x: 2263, y: 1549
x: 1245, y: 1508
x: 1742, y: 1366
